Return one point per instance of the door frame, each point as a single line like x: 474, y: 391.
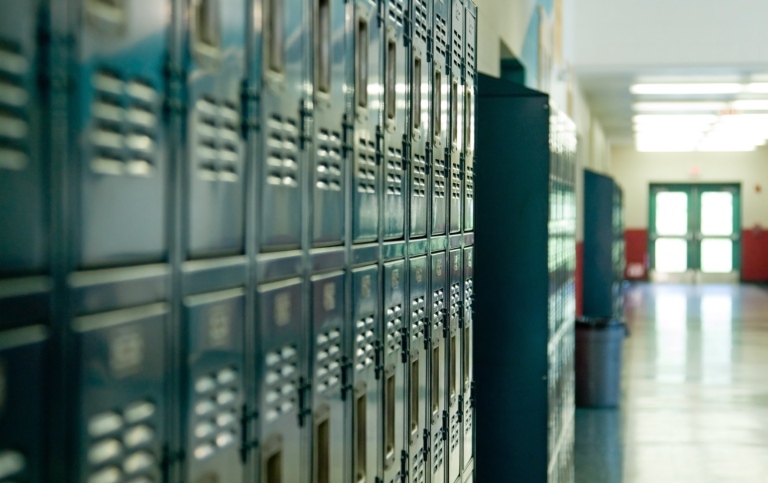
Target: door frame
x: 694, y: 273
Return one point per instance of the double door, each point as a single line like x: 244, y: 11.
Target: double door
x: 694, y: 232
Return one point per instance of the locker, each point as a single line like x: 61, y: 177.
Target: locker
x: 437, y: 367
x: 328, y: 394
x: 418, y: 349
x: 470, y: 91
x: 395, y: 355
x: 441, y: 85
x: 120, y: 425
x: 21, y: 397
x: 280, y: 66
x: 214, y: 385
x: 283, y: 349
x: 214, y: 154
x: 396, y: 94
x: 23, y: 201
x: 467, y: 364
x: 454, y: 351
x: 456, y: 96
x: 419, y: 115
x: 366, y: 400
x: 120, y: 166
x: 366, y: 38
x: 329, y: 154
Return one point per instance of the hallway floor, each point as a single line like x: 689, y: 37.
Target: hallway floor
x: 695, y: 391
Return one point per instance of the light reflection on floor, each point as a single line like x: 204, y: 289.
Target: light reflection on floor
x: 695, y: 391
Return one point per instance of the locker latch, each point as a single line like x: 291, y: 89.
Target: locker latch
x: 404, y: 466
x: 346, y: 369
x: 304, y: 397
x: 444, y: 429
x: 461, y: 407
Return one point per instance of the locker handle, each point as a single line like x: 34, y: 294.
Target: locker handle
x: 205, y: 25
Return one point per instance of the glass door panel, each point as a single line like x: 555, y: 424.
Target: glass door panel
x: 716, y: 213
x: 716, y: 255
x: 671, y: 255
x: 718, y: 229
x: 670, y: 230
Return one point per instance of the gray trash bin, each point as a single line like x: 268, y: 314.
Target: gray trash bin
x: 598, y: 361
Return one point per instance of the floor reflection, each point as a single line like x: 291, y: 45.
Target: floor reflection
x: 695, y: 391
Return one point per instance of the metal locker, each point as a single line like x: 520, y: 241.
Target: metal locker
x: 437, y: 367
x: 418, y: 352
x: 120, y: 428
x: 470, y: 91
x: 394, y: 158
x: 214, y: 385
x: 328, y: 393
x: 439, y: 115
x: 419, y: 115
x: 283, y: 348
x: 467, y: 365
x: 456, y: 96
x: 280, y: 66
x: 214, y: 154
x: 21, y: 404
x: 366, y: 384
x: 454, y: 391
x: 23, y: 202
x: 395, y: 340
x: 366, y: 39
x: 329, y: 154
x: 119, y: 173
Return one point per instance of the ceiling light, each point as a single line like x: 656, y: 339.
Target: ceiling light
x: 684, y: 89
x: 757, y: 88
x: 751, y: 105
x: 679, y: 106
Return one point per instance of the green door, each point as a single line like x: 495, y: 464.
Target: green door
x: 694, y: 229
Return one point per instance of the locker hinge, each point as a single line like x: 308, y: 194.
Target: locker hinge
x: 305, y: 112
x: 174, y: 75
x: 379, y: 146
x: 406, y: 152
x: 346, y: 369
x: 347, y: 127
x: 428, y: 161
x: 472, y: 395
x: 246, y: 445
x: 459, y: 315
x: 379, y: 351
x: 444, y: 430
x: 304, y: 397
x: 404, y: 466
x: 380, y: 7
x: 404, y: 345
x: 461, y: 407
x: 169, y: 460
x: 446, y: 324
x: 250, y: 109
x: 427, y: 445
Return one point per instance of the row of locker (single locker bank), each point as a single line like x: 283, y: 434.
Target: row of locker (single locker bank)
x: 240, y: 240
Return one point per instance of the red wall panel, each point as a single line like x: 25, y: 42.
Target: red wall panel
x: 636, y: 253
x: 754, y: 255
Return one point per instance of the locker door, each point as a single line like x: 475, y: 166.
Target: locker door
x: 366, y: 37
x: 283, y: 348
x: 395, y: 356
x: 328, y: 396
x: 121, y: 157
x: 456, y: 141
x: 440, y: 115
x: 437, y: 367
x: 120, y: 424
x: 214, y: 385
x: 281, y: 155
x: 420, y: 60
x: 418, y: 375
x: 366, y: 405
x: 470, y: 79
x: 214, y: 151
x: 21, y: 396
x: 23, y: 246
x: 395, y: 123
x: 467, y: 364
x: 329, y: 155
x: 454, y: 393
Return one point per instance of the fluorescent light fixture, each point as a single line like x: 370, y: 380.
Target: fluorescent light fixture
x: 674, y: 118
x: 757, y: 88
x: 660, y: 147
x: 686, y: 89
x: 726, y: 147
x: 679, y: 106
x: 751, y: 105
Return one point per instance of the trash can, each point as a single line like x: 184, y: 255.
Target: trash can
x: 599, y: 342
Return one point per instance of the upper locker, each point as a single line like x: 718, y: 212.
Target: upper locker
x: 366, y: 100
x: 280, y: 69
x: 213, y: 159
x: 419, y: 114
x: 439, y: 114
x: 456, y: 96
x: 329, y: 157
x: 395, y: 124
x: 120, y: 167
x: 470, y: 74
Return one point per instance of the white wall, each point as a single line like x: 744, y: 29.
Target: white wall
x: 674, y: 33
x: 635, y: 171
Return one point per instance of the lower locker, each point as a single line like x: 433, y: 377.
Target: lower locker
x: 395, y: 327
x: 418, y: 411
x: 21, y: 398
x: 120, y: 426
x: 453, y: 364
x: 328, y: 356
x: 437, y: 379
x: 213, y: 386
x: 366, y: 384
x: 467, y: 367
x: 282, y: 347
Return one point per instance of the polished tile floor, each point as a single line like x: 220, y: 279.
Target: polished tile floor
x: 695, y: 391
